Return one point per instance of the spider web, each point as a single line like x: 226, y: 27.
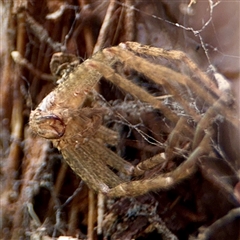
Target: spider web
x: 197, y: 31
x: 191, y: 24
x: 184, y: 26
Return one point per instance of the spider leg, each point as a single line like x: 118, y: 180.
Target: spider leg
x: 136, y: 91
x: 79, y: 159
x: 174, y: 138
x: 208, y: 118
x: 107, y: 136
x: 149, y: 164
x: 175, y: 56
x: 78, y: 142
x: 162, y: 74
x: 112, y: 159
x: 100, y: 177
x: 165, y: 76
x: 75, y: 151
x: 168, y: 180
x: 170, y: 150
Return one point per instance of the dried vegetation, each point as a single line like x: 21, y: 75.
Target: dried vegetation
x: 41, y: 197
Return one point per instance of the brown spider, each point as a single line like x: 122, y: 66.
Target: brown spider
x: 76, y: 129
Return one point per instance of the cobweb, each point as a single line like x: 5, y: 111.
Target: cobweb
x: 207, y: 31
x: 197, y: 28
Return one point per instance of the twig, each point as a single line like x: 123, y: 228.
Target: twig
x: 91, y: 213
x: 105, y: 27
x: 101, y: 200
x: 42, y: 34
x: 25, y: 63
x: 129, y: 21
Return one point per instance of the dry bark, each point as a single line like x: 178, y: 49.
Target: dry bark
x: 40, y: 195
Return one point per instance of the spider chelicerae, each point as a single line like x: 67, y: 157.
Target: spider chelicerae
x: 76, y: 127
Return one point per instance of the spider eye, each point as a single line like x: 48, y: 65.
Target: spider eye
x: 48, y: 126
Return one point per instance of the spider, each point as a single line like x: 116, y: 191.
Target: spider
x: 76, y: 127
